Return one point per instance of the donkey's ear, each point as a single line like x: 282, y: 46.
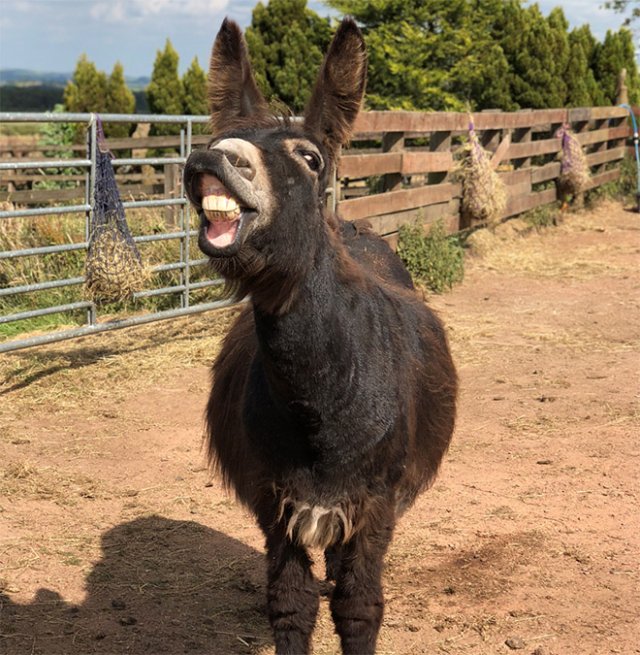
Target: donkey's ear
x: 337, y: 95
x: 234, y: 97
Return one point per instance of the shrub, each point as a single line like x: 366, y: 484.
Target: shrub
x: 435, y: 260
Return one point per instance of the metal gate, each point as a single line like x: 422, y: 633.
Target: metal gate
x: 182, y: 232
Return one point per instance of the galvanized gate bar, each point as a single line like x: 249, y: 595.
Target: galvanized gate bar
x: 110, y: 325
x: 184, y: 233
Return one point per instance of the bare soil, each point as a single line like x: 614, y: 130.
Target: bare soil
x: 115, y: 539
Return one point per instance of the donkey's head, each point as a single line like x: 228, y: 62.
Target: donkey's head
x: 259, y: 187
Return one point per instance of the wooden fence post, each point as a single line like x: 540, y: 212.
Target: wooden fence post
x: 171, y: 190
x: 392, y: 142
x: 439, y: 142
x: 522, y: 135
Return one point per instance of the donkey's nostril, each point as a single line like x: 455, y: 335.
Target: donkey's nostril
x: 237, y: 160
x: 242, y: 165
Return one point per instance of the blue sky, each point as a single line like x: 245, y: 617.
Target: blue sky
x: 49, y: 35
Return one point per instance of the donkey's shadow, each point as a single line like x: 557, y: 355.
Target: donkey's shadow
x: 162, y: 586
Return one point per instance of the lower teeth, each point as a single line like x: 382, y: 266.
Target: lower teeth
x: 218, y: 216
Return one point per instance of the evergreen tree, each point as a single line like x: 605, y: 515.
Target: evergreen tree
x: 165, y: 92
x: 577, y: 72
x: 194, y: 83
x: 286, y: 42
x: 87, y: 89
x: 427, y: 54
x: 590, y: 46
x: 616, y: 53
x: 525, y: 36
x: 559, y: 46
x: 120, y: 100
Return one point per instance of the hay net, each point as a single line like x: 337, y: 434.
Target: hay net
x: 113, y: 270
x: 574, y: 168
x: 483, y: 192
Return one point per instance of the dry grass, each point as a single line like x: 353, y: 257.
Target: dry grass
x: 23, y: 479
x: 516, y: 248
x: 119, y: 361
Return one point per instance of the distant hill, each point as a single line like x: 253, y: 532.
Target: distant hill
x: 29, y: 96
x: 21, y: 76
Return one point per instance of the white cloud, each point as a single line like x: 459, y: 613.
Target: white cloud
x: 117, y: 11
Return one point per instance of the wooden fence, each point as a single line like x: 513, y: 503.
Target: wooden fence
x: 414, y: 157
x: 399, y: 167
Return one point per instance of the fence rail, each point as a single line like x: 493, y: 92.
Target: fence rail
x: 399, y: 168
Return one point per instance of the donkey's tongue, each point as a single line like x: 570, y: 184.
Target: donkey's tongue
x: 222, y: 233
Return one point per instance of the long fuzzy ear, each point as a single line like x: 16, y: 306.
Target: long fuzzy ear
x: 234, y: 98
x: 337, y: 95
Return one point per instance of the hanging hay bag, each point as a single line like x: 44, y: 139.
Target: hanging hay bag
x: 574, y: 169
x: 114, y: 270
x: 483, y: 192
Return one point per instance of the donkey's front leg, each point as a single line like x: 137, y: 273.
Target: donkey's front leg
x: 357, y: 604
x: 292, y: 594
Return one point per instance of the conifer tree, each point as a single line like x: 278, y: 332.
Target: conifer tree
x: 426, y: 54
x: 616, y: 53
x: 194, y: 83
x: 524, y: 34
x: 120, y: 100
x: 165, y: 92
x: 286, y: 42
x: 577, y: 73
x: 559, y: 46
x: 590, y: 46
x: 87, y: 89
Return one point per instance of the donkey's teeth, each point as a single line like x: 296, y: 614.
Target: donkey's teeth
x: 219, y: 203
x: 222, y: 216
x: 220, y: 208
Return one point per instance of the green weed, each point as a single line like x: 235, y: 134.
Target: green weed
x: 435, y: 259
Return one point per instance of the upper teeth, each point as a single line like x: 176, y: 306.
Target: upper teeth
x: 220, y: 207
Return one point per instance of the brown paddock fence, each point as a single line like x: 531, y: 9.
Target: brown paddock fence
x: 401, y: 165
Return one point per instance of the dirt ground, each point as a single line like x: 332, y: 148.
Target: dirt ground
x: 114, y: 538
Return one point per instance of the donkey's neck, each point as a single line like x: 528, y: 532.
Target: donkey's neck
x: 300, y: 346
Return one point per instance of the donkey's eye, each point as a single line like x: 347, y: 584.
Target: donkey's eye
x: 312, y: 159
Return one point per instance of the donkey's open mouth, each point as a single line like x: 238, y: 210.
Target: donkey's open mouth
x: 224, y: 215
x: 223, y: 197
x: 221, y: 212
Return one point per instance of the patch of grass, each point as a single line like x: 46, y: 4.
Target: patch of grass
x: 120, y: 361
x: 541, y: 217
x: 25, y: 233
x: 435, y: 259
x: 624, y: 188
x: 20, y: 129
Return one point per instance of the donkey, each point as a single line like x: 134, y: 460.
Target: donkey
x: 333, y: 397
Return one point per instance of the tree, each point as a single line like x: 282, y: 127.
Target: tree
x: 165, y: 92
x: 428, y: 54
x: 120, y: 100
x: 194, y: 84
x: 286, y: 42
x: 526, y: 37
x: 87, y: 89
x: 616, y: 53
x: 589, y: 44
x: 559, y: 46
x: 577, y: 72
